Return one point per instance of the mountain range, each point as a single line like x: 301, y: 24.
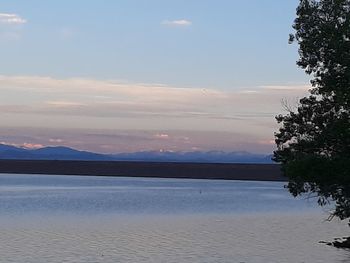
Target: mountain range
x: 66, y: 153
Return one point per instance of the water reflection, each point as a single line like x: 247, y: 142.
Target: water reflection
x: 22, y: 194
x: 192, y: 238
x: 91, y: 219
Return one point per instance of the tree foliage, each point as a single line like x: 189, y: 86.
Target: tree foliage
x: 313, y: 142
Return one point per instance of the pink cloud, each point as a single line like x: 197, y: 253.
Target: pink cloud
x: 162, y: 136
x: 32, y: 145
x: 55, y: 140
x: 266, y: 142
x: 24, y: 145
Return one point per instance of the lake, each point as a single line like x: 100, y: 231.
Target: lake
x: 48, y: 218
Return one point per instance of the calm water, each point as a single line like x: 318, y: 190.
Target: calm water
x: 100, y: 219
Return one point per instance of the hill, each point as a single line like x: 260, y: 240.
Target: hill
x: 66, y: 153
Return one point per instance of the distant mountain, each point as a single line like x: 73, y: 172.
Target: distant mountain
x: 12, y: 152
x: 49, y: 153
x: 66, y: 153
x: 196, y: 156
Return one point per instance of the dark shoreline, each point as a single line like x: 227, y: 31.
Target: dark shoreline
x: 223, y: 171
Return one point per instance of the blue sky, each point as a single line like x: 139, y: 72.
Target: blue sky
x: 154, y: 67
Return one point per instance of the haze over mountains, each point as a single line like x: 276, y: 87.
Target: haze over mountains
x: 66, y: 153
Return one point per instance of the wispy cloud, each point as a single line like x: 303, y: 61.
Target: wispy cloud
x: 140, y: 100
x: 181, y: 22
x: 287, y: 87
x: 64, y: 104
x: 25, y: 145
x: 73, y: 103
x: 161, y: 136
x: 114, y: 141
x: 56, y: 140
x: 11, y: 19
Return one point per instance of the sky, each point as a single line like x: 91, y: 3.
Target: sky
x: 127, y: 75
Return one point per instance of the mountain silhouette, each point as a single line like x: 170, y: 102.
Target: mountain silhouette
x: 66, y: 153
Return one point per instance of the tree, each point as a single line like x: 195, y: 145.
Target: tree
x: 313, y: 142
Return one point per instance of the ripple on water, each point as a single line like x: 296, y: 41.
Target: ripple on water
x: 193, y: 238
x: 100, y: 219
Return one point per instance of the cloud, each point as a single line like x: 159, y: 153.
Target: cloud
x: 267, y: 142
x: 27, y: 145
x: 181, y: 22
x: 64, y: 104
x: 24, y: 145
x: 78, y: 97
x: 53, y: 140
x: 11, y: 19
x: 161, y: 136
x: 76, y: 103
x: 114, y: 141
x: 287, y: 87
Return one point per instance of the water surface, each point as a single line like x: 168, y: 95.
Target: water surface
x: 103, y: 219
x: 23, y: 194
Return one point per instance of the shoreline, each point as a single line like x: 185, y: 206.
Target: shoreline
x: 219, y: 171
